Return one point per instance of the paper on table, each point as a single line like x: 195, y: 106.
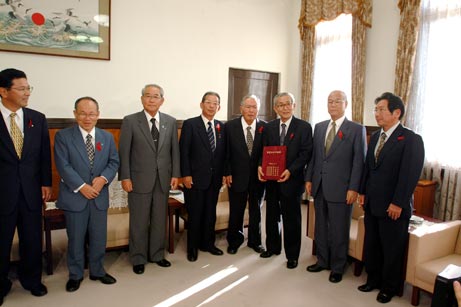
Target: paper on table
x: 451, y: 272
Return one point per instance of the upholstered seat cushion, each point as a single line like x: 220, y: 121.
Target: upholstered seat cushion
x: 427, y: 272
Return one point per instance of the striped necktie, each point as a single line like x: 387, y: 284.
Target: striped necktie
x: 155, y: 133
x: 382, y: 140
x: 210, y: 134
x: 330, y: 137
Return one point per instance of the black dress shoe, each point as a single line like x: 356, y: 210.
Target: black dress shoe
x: 232, y: 250
x: 138, y: 268
x: 215, y: 251
x: 335, y: 277
x: 291, y: 264
x: 73, y: 284
x: 163, y: 263
x: 267, y: 254
x: 257, y: 248
x: 314, y: 268
x: 39, y: 290
x: 366, y: 288
x: 192, y: 254
x: 106, y: 279
x: 384, y: 297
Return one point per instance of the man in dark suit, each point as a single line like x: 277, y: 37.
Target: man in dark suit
x: 149, y: 167
x: 86, y: 159
x: 25, y: 181
x: 333, y: 179
x: 244, y: 145
x: 393, y: 166
x: 203, y: 153
x: 283, y: 197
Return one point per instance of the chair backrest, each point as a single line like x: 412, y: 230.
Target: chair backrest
x: 223, y: 194
x: 356, y: 211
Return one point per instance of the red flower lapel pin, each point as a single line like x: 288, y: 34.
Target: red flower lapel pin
x: 340, y: 134
x: 98, y: 146
x: 292, y: 135
x: 260, y: 130
x: 400, y: 138
x: 218, y: 128
x: 30, y: 124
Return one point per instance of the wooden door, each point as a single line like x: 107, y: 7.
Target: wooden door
x: 261, y: 83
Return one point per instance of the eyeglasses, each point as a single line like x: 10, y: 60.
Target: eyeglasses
x: 336, y: 101
x: 149, y: 97
x: 90, y: 116
x: 23, y: 89
x: 380, y: 110
x: 283, y: 105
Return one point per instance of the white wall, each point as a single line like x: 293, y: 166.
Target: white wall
x: 188, y: 47
x: 185, y: 46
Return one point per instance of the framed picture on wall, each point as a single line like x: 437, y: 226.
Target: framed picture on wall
x: 74, y: 28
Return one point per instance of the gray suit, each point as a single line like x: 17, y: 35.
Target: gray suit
x: 81, y: 214
x: 150, y: 171
x: 332, y: 175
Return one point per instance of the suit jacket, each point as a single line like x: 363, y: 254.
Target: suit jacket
x: 393, y: 178
x: 197, y: 159
x: 32, y: 171
x: 242, y: 166
x: 73, y: 166
x: 341, y: 169
x: 298, y: 141
x: 139, y: 158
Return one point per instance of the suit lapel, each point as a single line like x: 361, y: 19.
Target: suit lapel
x: 323, y: 131
x: 341, y: 134
x: 98, y: 148
x: 79, y: 145
x: 291, y: 131
x: 241, y: 135
x: 144, y: 128
x: 27, y: 125
x: 162, y: 130
x: 390, y: 143
x: 5, y: 138
x: 202, y: 133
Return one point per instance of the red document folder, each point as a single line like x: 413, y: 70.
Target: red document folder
x: 274, y: 159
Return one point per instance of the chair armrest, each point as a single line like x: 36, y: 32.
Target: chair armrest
x: 360, y: 237
x: 311, y: 220
x: 431, y: 242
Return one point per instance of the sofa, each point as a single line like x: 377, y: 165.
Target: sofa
x: 430, y: 250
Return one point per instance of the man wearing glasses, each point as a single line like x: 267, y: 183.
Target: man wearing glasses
x: 283, y: 197
x: 149, y: 168
x: 86, y: 159
x: 203, y: 153
x: 25, y: 181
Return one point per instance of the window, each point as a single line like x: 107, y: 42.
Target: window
x: 332, y: 65
x: 435, y: 106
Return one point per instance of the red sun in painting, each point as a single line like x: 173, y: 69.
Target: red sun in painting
x: 38, y: 19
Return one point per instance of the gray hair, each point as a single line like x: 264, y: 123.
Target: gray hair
x: 153, y: 85
x: 252, y: 96
x: 283, y: 94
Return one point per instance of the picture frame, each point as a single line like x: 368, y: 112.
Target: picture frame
x: 72, y: 28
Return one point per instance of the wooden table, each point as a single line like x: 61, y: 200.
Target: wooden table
x: 174, y: 208
x: 52, y: 219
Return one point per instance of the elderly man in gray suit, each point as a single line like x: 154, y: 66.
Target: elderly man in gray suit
x: 149, y: 168
x: 333, y: 179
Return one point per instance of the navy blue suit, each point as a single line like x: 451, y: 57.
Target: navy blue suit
x: 84, y: 215
x: 207, y: 169
x: 285, y: 198
x: 21, y: 205
x: 392, y: 179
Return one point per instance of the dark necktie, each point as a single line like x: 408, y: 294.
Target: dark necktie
x: 16, y: 135
x: 210, y: 134
x: 90, y: 149
x: 382, y: 140
x: 330, y: 137
x: 249, y: 140
x: 283, y: 134
x: 154, y: 132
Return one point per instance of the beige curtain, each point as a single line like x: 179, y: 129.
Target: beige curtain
x: 406, y: 47
x: 314, y: 11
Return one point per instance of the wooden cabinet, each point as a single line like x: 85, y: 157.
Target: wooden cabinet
x: 424, y: 197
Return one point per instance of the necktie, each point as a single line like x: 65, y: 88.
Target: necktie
x: 210, y: 134
x: 283, y: 134
x: 382, y: 139
x: 249, y: 140
x: 154, y: 132
x: 89, y: 149
x: 330, y: 137
x: 16, y: 135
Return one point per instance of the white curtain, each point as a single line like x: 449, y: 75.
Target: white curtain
x: 333, y: 64
x: 435, y: 105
